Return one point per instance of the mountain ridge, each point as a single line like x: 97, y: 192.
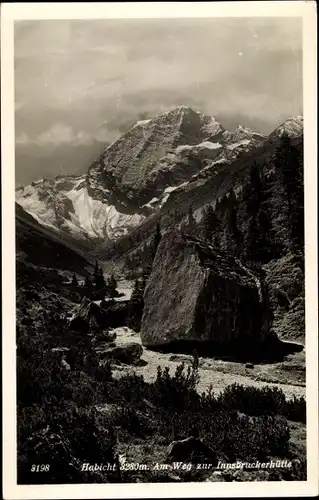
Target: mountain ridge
x: 140, y: 173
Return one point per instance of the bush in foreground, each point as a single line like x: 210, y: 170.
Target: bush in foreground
x: 58, y: 422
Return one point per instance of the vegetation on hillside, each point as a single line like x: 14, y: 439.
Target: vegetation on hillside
x: 61, y: 421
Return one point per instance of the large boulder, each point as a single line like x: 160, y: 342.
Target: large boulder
x: 198, y: 296
x: 88, y: 316
x: 91, y: 316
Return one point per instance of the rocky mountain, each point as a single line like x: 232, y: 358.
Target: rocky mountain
x: 136, y: 175
x: 211, y: 184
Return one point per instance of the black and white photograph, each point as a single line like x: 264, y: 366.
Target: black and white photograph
x: 160, y: 258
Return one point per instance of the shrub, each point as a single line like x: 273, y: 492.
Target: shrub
x: 73, y: 437
x: 263, y: 401
x: 178, y: 391
x: 236, y: 437
x: 253, y: 401
x: 39, y: 372
x: 295, y: 409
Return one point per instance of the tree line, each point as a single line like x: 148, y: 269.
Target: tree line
x: 95, y: 286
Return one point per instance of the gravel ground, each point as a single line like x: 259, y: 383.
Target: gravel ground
x: 215, y: 373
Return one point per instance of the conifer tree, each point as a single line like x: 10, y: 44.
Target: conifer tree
x: 260, y: 242
x: 99, y: 281
x: 112, y: 286
x: 217, y: 206
x: 223, y: 204
x: 231, y: 199
x: 216, y: 242
x: 211, y: 224
x: 232, y: 236
x: 136, y: 305
x: 252, y: 192
x: 253, y: 241
x: 87, y: 286
x: 74, y: 282
x: 96, y: 269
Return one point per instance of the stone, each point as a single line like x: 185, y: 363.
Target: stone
x: 116, y: 313
x: 216, y: 477
x: 190, y: 448
x: 126, y: 353
x: 65, y: 364
x: 91, y: 317
x: 105, y: 336
x: 249, y: 365
x: 197, y: 295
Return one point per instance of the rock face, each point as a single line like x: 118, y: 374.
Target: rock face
x: 195, y: 295
x: 144, y: 158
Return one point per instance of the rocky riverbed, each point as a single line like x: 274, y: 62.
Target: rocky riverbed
x: 288, y: 375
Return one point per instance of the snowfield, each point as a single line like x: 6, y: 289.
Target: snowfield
x: 86, y: 217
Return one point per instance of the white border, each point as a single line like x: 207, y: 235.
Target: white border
x: 11, y: 12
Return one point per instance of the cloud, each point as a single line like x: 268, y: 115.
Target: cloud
x: 60, y: 134
x: 88, y: 81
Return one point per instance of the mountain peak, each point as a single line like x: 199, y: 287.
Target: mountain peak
x: 242, y: 128
x: 183, y: 107
x: 248, y: 132
x: 293, y: 127
x: 181, y: 120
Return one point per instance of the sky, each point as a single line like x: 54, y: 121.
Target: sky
x: 80, y: 84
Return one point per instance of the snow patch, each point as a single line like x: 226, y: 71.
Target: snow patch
x: 151, y: 203
x: 36, y: 207
x: 159, y: 202
x: 97, y: 218
x: 209, y: 145
x: 142, y: 122
x: 243, y: 142
x: 202, y: 145
x: 167, y: 192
